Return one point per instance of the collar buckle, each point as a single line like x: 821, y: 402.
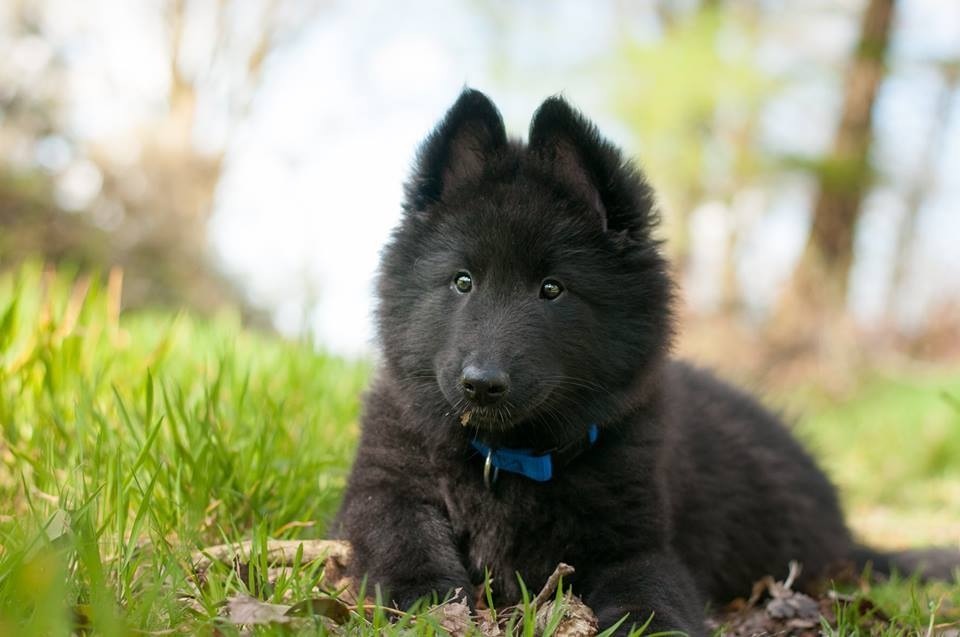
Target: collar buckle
x: 490, y: 473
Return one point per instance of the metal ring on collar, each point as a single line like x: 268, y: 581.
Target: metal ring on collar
x: 489, y: 469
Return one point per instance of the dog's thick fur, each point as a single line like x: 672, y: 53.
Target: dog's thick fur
x: 692, y: 492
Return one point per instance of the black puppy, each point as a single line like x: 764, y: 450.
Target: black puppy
x: 526, y: 412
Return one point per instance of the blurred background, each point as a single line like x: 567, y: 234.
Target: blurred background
x: 246, y: 153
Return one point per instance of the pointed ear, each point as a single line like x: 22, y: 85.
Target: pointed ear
x: 567, y: 142
x: 592, y: 168
x: 457, y: 150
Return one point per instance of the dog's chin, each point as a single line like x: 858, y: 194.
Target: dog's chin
x: 498, y: 418
x: 486, y: 418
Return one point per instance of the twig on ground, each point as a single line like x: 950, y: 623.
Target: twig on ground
x: 553, y: 581
x: 278, y: 552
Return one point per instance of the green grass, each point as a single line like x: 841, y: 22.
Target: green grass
x: 125, y: 445
x: 893, y: 448
x: 127, y: 442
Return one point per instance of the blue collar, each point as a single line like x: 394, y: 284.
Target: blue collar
x: 536, y: 466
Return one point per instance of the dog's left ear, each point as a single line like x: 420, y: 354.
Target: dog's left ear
x: 590, y: 167
x: 567, y: 141
x: 458, y: 149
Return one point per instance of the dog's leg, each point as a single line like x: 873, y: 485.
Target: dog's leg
x: 656, y: 584
x: 394, y: 515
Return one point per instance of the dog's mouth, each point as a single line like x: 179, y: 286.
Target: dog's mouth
x: 496, y: 418
x: 501, y: 417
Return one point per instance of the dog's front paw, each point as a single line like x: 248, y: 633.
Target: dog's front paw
x: 404, y: 597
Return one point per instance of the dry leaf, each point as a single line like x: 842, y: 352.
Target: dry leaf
x: 578, y: 620
x: 790, y: 613
x: 454, y: 616
x: 487, y: 624
x: 794, y: 606
x: 243, y: 609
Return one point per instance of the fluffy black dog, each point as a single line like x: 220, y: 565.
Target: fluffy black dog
x: 526, y: 412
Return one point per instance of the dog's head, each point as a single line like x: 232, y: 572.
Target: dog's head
x: 523, y: 287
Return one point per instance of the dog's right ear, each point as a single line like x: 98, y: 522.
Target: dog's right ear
x: 456, y: 151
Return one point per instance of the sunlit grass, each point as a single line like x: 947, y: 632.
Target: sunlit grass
x: 128, y: 442
x: 893, y: 448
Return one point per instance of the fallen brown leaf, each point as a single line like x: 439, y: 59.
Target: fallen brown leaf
x: 454, y: 616
x: 246, y: 610
x: 774, y: 608
x: 577, y: 621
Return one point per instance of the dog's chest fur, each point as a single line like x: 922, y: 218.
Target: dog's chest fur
x: 503, y: 532
x: 525, y: 527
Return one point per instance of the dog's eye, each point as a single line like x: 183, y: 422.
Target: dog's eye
x: 550, y: 289
x: 463, y: 282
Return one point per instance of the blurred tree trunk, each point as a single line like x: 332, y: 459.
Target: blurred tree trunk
x: 923, y: 184
x: 816, y: 297
x: 744, y: 169
x: 184, y: 177
x: 155, y: 198
x: 166, y: 220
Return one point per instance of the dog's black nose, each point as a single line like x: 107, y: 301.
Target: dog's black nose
x: 484, y: 385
